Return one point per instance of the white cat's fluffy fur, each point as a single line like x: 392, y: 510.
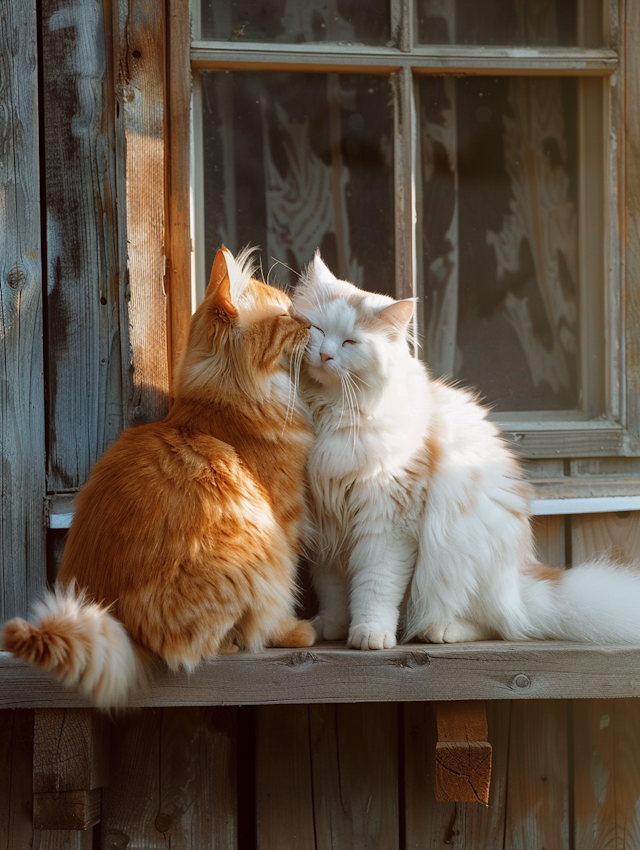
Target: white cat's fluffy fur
x: 422, y: 511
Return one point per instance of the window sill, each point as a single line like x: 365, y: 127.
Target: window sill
x: 331, y: 672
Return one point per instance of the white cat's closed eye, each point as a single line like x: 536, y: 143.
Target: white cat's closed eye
x: 318, y: 329
x: 350, y: 341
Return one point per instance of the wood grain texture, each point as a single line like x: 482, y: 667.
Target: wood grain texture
x: 607, y: 774
x: 68, y: 810
x: 461, y: 826
x: 354, y: 767
x: 22, y: 459
x: 16, y: 787
x: 198, y: 786
x: 131, y: 803
x: 70, y: 751
x: 178, y: 274
x: 65, y: 839
x: 140, y: 176
x: 617, y: 535
x: 83, y: 284
x: 483, y: 670
x: 462, y: 769
x: 284, y: 795
x: 537, y: 783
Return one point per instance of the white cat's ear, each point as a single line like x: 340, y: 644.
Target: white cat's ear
x: 321, y: 273
x: 397, y: 314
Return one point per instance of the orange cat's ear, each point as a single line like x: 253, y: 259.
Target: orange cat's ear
x: 219, y: 288
x: 397, y: 314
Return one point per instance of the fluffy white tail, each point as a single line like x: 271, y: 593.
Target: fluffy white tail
x: 597, y: 602
x: 81, y: 644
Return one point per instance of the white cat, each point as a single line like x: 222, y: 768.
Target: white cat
x: 422, y: 511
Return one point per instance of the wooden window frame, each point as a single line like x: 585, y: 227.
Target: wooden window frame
x: 615, y: 429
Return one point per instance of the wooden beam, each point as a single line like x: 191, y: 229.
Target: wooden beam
x: 70, y: 766
x: 334, y: 673
x: 67, y: 809
x: 462, y: 756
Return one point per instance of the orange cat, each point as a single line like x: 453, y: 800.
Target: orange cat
x: 188, y: 531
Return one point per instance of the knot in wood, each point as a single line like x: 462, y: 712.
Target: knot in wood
x: 139, y: 414
x: 521, y: 682
x: 302, y: 659
x: 415, y: 659
x: 116, y: 840
x: 16, y: 278
x: 163, y: 822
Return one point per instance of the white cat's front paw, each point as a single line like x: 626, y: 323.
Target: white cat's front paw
x: 327, y: 629
x: 457, y: 631
x: 371, y: 636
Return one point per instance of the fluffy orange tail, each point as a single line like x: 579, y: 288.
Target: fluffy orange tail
x: 81, y: 644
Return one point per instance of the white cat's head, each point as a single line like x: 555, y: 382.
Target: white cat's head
x: 353, y: 332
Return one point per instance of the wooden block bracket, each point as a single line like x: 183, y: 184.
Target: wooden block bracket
x: 462, y: 756
x: 70, y: 767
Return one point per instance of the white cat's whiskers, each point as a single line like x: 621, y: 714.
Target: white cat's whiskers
x: 355, y: 423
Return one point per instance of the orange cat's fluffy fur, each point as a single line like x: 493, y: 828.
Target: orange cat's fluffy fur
x: 187, y: 533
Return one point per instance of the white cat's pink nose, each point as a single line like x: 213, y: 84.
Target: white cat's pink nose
x: 324, y: 357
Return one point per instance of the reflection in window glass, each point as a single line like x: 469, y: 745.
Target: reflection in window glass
x: 295, y: 162
x: 296, y: 21
x: 500, y: 237
x: 505, y: 22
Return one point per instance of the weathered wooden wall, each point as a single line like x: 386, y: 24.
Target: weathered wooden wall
x: 565, y: 773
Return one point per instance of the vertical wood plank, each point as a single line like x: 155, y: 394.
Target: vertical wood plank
x: 607, y: 773
x: 198, y: 793
x: 606, y: 738
x: 537, y: 783
x: 16, y: 792
x: 22, y: 458
x: 549, y: 536
x: 83, y: 292
x: 284, y: 795
x: 140, y: 146
x: 465, y: 826
x: 354, y: 756
x: 630, y: 209
x: 131, y: 802
x: 178, y: 176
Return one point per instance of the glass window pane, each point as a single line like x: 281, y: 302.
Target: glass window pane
x: 510, y: 22
x: 295, y: 162
x: 499, y: 229
x: 297, y: 22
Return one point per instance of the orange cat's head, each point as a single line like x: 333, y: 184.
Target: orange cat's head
x: 240, y: 333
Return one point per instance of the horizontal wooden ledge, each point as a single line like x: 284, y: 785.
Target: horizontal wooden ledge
x: 551, y: 497
x: 335, y: 673
x: 426, y: 59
